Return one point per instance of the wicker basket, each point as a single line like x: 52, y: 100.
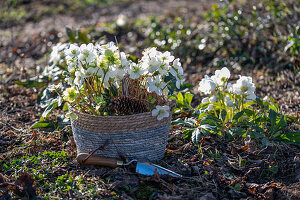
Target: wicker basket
x: 139, y: 136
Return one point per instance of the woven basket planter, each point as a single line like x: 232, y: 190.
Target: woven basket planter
x: 139, y: 136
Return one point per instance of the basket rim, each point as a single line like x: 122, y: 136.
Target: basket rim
x: 171, y: 103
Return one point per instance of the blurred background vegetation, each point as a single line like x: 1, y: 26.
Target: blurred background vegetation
x: 233, y: 33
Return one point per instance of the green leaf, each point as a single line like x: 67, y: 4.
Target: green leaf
x: 30, y: 84
x: 196, y: 136
x: 248, y: 112
x: 257, y: 128
x: 254, y: 134
x: 210, y: 119
x: 238, y: 115
x: 237, y: 131
x: 265, y: 142
x: 187, y: 122
x: 188, y: 134
x: 188, y: 97
x: 65, y: 107
x: 48, y: 110
x: 209, y: 128
x: 272, y: 117
x: 186, y: 86
x: 223, y: 114
x: 82, y: 37
x: 290, y: 137
x: 202, y: 115
x: 71, y: 35
x: 42, y: 125
x: 151, y: 99
x: 180, y: 98
x: 72, y: 115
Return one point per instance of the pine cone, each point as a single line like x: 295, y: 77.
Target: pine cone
x: 124, y: 105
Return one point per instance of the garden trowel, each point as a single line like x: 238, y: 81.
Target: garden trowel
x: 144, y: 168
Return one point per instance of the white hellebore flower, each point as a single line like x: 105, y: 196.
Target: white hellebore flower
x: 72, y: 51
x: 229, y: 87
x: 177, y: 72
x: 79, y: 78
x: 70, y: 94
x: 244, y: 86
x: 221, y: 76
x: 56, y: 53
x: 210, y: 107
x: 152, y: 65
x: 207, y: 85
x: 90, y: 71
x: 213, y: 99
x: 205, y: 100
x: 135, y: 71
x: 167, y: 57
x: 161, y: 112
x: 156, y: 85
x: 87, y: 56
x: 251, y: 97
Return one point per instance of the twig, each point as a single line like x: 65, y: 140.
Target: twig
x: 12, y: 127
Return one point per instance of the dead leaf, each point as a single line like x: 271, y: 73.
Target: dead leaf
x: 24, y: 185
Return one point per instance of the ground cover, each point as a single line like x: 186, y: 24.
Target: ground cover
x: 39, y: 163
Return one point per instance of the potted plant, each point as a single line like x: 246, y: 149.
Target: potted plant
x: 116, y: 103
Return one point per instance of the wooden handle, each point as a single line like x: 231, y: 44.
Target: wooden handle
x: 98, y: 160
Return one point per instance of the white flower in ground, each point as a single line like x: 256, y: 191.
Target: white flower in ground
x: 244, y: 86
x: 156, y: 85
x: 210, y: 107
x: 72, y: 51
x: 207, y: 85
x: 205, y: 100
x: 177, y: 72
x: 213, y: 99
x: 221, y: 76
x: 161, y: 112
x: 251, y: 97
x: 229, y: 103
x: 121, y: 21
x: 135, y: 71
x: 266, y: 98
x: 229, y: 87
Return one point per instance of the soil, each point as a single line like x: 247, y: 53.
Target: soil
x: 212, y: 171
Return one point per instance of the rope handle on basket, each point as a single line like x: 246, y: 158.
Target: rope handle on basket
x: 99, y: 148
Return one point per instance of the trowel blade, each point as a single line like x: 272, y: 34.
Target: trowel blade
x: 149, y: 169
